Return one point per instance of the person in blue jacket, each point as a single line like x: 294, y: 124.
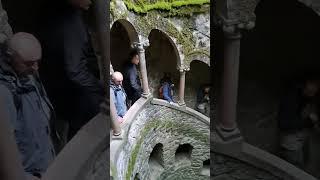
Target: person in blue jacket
x: 30, y: 111
x: 166, y: 89
x: 118, y: 94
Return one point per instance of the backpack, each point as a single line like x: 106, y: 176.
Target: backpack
x: 161, y: 92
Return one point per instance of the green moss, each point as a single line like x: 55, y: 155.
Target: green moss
x: 143, y: 6
x: 115, y: 13
x: 154, y: 20
x: 180, y: 128
x: 113, y: 170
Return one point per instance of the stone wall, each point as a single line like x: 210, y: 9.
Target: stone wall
x: 270, y: 59
x: 225, y: 168
x: 179, y: 145
x: 99, y: 169
x: 190, y: 34
x: 5, y: 29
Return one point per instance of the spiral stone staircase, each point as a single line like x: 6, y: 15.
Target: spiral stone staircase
x: 162, y: 141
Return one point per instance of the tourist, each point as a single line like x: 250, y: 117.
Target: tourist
x: 297, y: 114
x: 29, y: 109
x: 131, y: 81
x: 118, y: 95
x: 75, y: 89
x: 203, y: 100
x: 166, y: 89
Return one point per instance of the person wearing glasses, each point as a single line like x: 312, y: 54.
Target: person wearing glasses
x: 30, y: 111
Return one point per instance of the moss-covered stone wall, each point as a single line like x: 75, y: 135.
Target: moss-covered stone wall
x: 171, y: 128
x: 182, y: 30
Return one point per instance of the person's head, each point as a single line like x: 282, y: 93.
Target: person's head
x: 311, y: 88
x: 82, y: 4
x: 25, y: 53
x: 206, y: 89
x: 117, y: 78
x: 134, y: 57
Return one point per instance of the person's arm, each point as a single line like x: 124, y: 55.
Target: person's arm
x: 133, y: 80
x: 75, y: 64
x: 9, y: 155
x: 113, y: 98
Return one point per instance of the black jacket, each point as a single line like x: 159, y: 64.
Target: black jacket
x: 290, y: 110
x: 66, y: 51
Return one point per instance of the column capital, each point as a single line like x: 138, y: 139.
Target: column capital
x: 141, y: 45
x: 233, y: 30
x: 183, y: 69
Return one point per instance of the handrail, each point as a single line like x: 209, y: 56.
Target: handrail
x: 76, y: 157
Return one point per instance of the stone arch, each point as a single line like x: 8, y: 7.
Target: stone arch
x: 266, y: 53
x: 203, y: 57
x: 205, y: 170
x: 161, y: 56
x: 308, y: 3
x: 183, y: 153
x: 198, y: 75
x: 123, y: 34
x: 156, y: 163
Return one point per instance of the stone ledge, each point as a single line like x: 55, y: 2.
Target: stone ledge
x: 134, y: 110
x: 186, y: 110
x: 261, y: 159
x: 74, y: 159
x: 272, y: 164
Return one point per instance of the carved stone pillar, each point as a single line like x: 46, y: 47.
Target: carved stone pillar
x: 182, y: 84
x: 143, y: 67
x: 227, y: 111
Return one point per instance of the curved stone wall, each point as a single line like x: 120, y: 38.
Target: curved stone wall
x: 230, y: 168
x: 191, y: 35
x: 165, y: 143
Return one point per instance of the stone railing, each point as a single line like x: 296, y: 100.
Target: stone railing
x: 160, y: 115
x: 184, y: 109
x: 85, y: 156
x: 253, y: 159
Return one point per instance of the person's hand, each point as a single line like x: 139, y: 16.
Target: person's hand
x: 314, y: 117
x: 120, y: 119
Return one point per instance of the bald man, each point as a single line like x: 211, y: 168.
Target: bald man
x: 118, y: 94
x: 26, y: 102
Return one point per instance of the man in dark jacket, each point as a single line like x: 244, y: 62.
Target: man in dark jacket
x: 75, y: 91
x: 26, y: 102
x: 131, y: 80
x: 297, y: 113
x: 203, y: 100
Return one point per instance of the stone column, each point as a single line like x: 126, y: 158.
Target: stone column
x: 227, y: 111
x: 143, y: 68
x: 182, y: 87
